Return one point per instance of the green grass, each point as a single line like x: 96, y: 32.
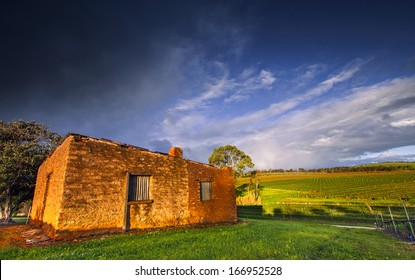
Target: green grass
x: 255, y: 239
x: 20, y: 219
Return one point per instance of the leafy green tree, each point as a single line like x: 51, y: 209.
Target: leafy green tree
x: 23, y: 147
x: 231, y: 156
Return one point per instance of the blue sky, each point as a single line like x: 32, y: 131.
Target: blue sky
x: 300, y: 84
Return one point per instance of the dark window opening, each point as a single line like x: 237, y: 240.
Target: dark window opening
x: 205, y: 190
x: 139, y: 188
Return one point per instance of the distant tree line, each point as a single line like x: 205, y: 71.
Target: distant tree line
x: 391, y: 166
x: 363, y: 168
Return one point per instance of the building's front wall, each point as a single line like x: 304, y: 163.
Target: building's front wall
x: 95, y: 190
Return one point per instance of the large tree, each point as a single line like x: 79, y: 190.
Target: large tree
x: 23, y: 147
x: 231, y: 156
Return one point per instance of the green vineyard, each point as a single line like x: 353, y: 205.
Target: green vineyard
x: 352, y: 196
x: 356, y: 186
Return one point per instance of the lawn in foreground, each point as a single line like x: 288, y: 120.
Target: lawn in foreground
x: 253, y: 239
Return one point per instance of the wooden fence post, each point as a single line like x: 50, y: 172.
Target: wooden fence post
x: 377, y: 222
x: 28, y: 215
x: 393, y: 222
x: 409, y: 220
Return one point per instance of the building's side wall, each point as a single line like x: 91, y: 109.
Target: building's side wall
x: 222, y: 206
x: 96, y: 188
x: 49, y: 189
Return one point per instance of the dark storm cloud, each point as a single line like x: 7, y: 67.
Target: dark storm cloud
x: 60, y: 45
x: 88, y: 60
x: 96, y: 66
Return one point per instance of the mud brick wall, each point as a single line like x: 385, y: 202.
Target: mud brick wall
x: 96, y: 188
x: 49, y: 189
x: 82, y: 189
x: 94, y: 191
x: 221, y: 207
x: 168, y: 192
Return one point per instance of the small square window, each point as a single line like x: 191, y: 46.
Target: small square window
x: 139, y: 188
x: 205, y: 190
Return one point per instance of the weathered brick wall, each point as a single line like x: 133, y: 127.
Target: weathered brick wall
x: 168, y: 190
x: 49, y: 189
x: 222, y: 206
x: 96, y: 188
x: 95, y: 180
x: 94, y: 192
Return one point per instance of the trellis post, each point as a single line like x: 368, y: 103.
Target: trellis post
x: 393, y: 222
x: 409, y: 220
x: 377, y: 222
x: 28, y: 215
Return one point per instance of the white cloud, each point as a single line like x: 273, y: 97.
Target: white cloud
x: 216, y: 89
x: 404, y: 122
x: 323, y: 142
x: 406, y: 153
x: 266, y: 78
x: 344, y: 75
x: 247, y: 84
x: 343, y: 128
x: 306, y: 73
x: 337, y: 129
x: 291, y: 133
x: 280, y: 108
x: 230, y: 89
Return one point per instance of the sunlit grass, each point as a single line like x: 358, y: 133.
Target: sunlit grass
x: 254, y: 239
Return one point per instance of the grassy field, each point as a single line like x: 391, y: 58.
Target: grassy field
x: 282, y: 229
x: 357, y: 196
x: 253, y: 239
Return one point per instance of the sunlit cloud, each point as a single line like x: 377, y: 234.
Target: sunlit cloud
x: 326, y: 132
x: 404, y: 122
x: 339, y: 129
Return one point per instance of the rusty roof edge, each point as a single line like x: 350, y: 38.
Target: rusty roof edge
x: 198, y: 162
x: 113, y: 142
x: 105, y: 140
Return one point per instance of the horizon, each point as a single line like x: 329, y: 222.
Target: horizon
x: 293, y: 85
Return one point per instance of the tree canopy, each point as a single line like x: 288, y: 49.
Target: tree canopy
x: 23, y: 147
x: 231, y: 156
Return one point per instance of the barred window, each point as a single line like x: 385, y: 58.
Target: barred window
x: 139, y: 188
x: 205, y: 190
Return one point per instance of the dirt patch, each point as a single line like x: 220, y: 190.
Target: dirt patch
x: 356, y: 227
x: 16, y: 235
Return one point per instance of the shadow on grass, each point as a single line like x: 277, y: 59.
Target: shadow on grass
x: 320, y: 213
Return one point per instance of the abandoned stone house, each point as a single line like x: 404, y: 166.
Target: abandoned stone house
x: 88, y: 186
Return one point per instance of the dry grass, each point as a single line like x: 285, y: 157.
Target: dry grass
x: 248, y: 200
